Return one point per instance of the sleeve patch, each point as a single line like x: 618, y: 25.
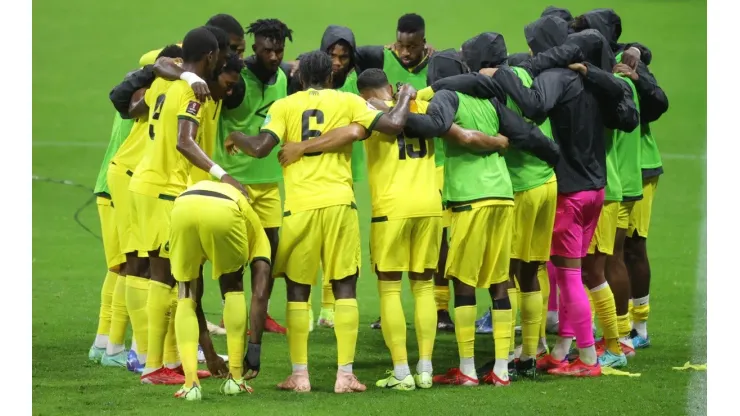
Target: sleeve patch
x: 193, y: 108
x: 268, y: 118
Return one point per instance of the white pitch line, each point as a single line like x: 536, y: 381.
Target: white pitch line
x: 669, y: 156
x: 696, y: 400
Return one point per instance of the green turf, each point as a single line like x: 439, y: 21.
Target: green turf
x: 82, y: 48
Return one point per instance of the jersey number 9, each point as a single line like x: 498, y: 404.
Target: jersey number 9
x: 405, y: 149
x: 306, y: 132
x: 155, y: 116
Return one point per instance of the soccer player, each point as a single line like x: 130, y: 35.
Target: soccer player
x: 215, y: 221
x: 111, y: 247
x: 120, y: 169
x: 599, y: 100
x: 264, y: 80
x: 178, y: 121
x: 479, y: 193
x: 320, y: 219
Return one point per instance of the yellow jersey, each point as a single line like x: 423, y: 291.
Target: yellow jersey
x: 209, y: 124
x: 164, y: 170
x: 323, y: 179
x: 402, y: 174
x: 132, y: 149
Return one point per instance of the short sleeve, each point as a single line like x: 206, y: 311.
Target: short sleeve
x: 189, y: 107
x: 276, y: 121
x: 361, y: 112
x: 149, y: 97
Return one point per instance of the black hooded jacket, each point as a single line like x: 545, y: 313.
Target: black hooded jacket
x: 443, y: 108
x: 608, y: 22
x: 579, y: 108
x: 331, y: 36
x: 558, y: 12
x: 487, y: 50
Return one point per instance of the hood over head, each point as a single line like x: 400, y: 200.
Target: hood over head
x: 445, y: 64
x: 595, y: 48
x: 545, y: 33
x: 334, y: 34
x: 607, y: 22
x: 487, y: 50
x: 558, y: 12
x: 516, y: 59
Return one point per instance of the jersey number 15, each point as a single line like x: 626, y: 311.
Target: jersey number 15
x: 407, y: 149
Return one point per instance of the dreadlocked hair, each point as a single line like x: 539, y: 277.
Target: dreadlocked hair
x: 270, y: 29
x: 314, y: 68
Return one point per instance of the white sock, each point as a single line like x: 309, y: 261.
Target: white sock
x: 172, y: 366
x: 148, y: 370
x: 300, y: 367
x: 101, y: 341
x: 401, y: 371
x: 141, y: 357
x: 627, y: 341
x: 641, y: 328
x: 561, y: 348
x: 588, y: 355
x: 599, y: 287
x: 552, y: 317
x: 467, y: 367
x: 501, y: 369
x: 113, y: 349
x: 348, y: 368
x: 424, y: 366
x: 641, y: 301
x: 133, y: 346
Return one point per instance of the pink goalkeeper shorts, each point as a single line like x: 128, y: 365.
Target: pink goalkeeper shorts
x: 576, y: 217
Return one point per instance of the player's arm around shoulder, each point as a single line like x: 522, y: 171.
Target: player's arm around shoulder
x: 391, y: 123
x: 272, y: 133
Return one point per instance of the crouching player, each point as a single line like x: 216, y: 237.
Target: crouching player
x: 213, y: 220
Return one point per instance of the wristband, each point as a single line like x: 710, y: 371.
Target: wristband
x: 217, y: 171
x: 190, y: 78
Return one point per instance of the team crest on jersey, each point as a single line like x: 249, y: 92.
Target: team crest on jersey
x: 267, y: 120
x: 193, y: 108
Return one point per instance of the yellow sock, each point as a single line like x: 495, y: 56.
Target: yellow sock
x: 297, y: 325
x: 327, y: 295
x: 235, y: 321
x: 501, y: 332
x: 186, y: 325
x: 119, y: 314
x: 514, y: 299
x: 545, y: 289
x: 442, y: 297
x: 531, y: 311
x: 623, y: 323
x: 631, y: 309
x: 157, y: 306
x: 603, y: 300
x: 640, y: 313
x: 346, y: 325
x: 465, y: 331
x: 591, y: 302
x: 393, y: 319
x: 425, y: 318
x: 171, y: 356
x: 106, y: 301
x: 137, y: 292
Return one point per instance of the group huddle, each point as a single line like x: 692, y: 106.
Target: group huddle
x: 530, y: 175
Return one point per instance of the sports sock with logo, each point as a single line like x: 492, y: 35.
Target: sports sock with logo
x: 119, y: 318
x: 186, y: 326
x: 531, y: 312
x: 158, y: 306
x: 104, y: 316
x: 346, y: 325
x: 603, y: 300
x: 640, y: 313
x: 171, y: 356
x: 297, y: 325
x: 235, y: 321
x: 137, y: 292
x: 425, y: 321
x: 394, y: 325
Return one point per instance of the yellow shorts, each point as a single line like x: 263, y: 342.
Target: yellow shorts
x: 606, y: 229
x: 480, y: 244
x: 215, y: 229
x: 534, y: 219
x: 639, y: 221
x: 266, y: 203
x: 151, y: 216
x: 118, y: 182
x: 112, y: 249
x: 328, y: 236
x: 446, y: 215
x: 625, y: 211
x: 405, y: 244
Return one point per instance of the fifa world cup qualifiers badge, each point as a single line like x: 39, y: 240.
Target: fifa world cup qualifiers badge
x: 193, y: 108
x: 267, y: 120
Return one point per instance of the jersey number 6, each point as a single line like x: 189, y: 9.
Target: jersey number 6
x: 155, y: 116
x: 408, y: 149
x: 306, y: 132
